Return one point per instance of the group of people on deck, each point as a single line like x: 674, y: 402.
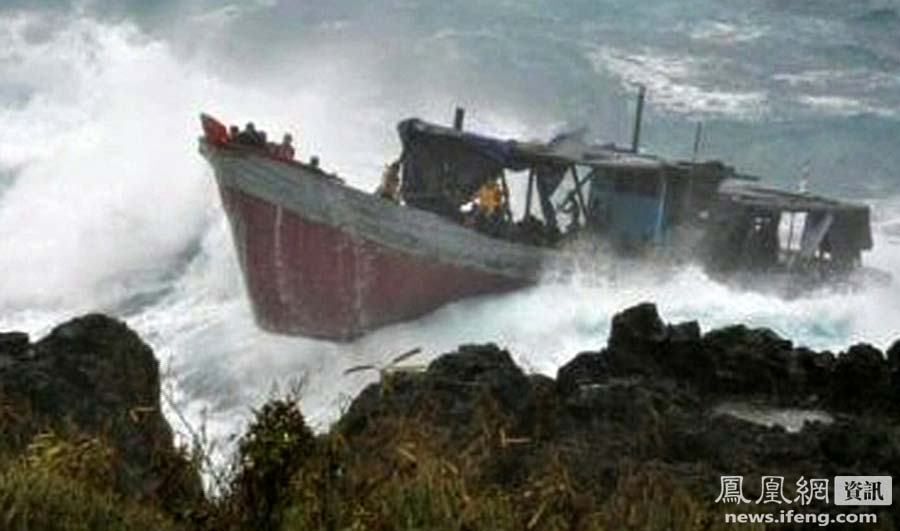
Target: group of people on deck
x: 252, y: 137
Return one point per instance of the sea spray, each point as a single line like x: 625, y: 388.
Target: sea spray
x: 105, y: 204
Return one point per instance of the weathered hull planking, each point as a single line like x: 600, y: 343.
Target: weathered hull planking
x: 323, y: 260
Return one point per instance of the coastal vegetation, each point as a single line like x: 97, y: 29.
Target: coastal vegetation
x: 633, y: 436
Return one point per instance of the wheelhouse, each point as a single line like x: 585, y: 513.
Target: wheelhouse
x: 567, y: 187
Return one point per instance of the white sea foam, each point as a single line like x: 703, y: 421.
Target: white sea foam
x: 793, y: 420
x: 111, y: 199
x: 842, y: 92
x: 845, y: 106
x: 672, y: 83
x: 224, y: 365
x: 720, y: 32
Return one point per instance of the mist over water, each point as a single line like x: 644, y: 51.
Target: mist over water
x: 106, y: 205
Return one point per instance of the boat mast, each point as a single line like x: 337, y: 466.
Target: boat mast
x: 458, y: 118
x: 639, y: 114
x: 530, y: 192
x: 698, y: 135
x: 689, y: 196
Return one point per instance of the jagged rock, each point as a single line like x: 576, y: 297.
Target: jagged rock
x: 485, y: 368
x: 94, y: 376
x: 749, y: 361
x: 92, y: 366
x: 893, y: 357
x: 635, y: 339
x: 450, y: 392
x: 861, y: 443
x: 737, y: 361
x: 650, y: 398
x: 584, y: 369
x: 684, y: 356
x: 861, y: 377
x: 618, y: 400
x: 816, y: 368
x: 732, y: 360
x: 687, y: 332
x: 640, y: 343
x: 14, y: 344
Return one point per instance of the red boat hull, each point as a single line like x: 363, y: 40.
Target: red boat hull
x: 339, y: 271
x: 334, y: 285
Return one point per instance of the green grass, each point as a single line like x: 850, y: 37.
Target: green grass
x: 401, y: 474
x: 32, y: 499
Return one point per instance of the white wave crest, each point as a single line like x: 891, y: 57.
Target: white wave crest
x: 672, y: 83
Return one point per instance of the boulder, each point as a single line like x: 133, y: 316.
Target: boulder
x: 93, y: 376
x: 893, y: 357
x: 649, y: 400
x: 816, y: 369
x: 635, y: 340
x: 14, y: 344
x: 455, y: 392
x: 684, y: 357
x: 748, y: 361
x: 584, y: 369
x: 861, y: 378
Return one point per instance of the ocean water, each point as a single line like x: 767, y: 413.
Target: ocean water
x: 106, y: 205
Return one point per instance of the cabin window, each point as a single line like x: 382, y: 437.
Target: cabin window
x: 790, y: 230
x: 567, y: 201
x: 518, y: 195
x: 807, y: 236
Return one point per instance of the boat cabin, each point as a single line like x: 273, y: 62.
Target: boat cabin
x: 629, y: 199
x: 762, y: 229
x: 570, y: 186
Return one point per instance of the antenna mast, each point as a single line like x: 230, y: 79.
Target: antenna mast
x: 698, y: 136
x: 639, y: 114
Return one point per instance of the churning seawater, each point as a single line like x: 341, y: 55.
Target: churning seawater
x: 105, y: 204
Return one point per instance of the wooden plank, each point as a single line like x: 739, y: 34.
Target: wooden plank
x: 530, y: 192
x: 578, y: 192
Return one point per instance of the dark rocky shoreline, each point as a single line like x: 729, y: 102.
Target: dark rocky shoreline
x: 649, y: 398
x: 632, y: 425
x: 94, y: 377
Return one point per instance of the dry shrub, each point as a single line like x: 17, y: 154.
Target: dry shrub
x: 652, y: 499
x: 85, y: 459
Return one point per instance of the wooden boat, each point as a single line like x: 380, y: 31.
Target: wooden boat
x: 323, y: 259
